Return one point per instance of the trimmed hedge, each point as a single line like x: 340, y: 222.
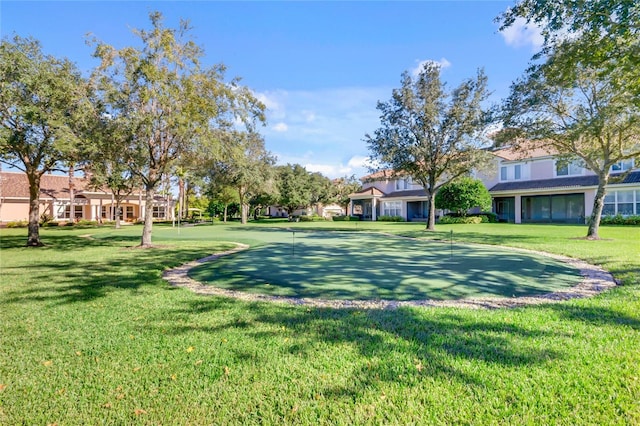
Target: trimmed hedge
x: 620, y: 220
x: 346, y: 218
x: 386, y: 218
x: 452, y: 219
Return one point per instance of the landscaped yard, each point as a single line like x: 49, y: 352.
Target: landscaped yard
x: 90, y: 333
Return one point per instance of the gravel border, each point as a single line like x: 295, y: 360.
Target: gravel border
x: 595, y: 280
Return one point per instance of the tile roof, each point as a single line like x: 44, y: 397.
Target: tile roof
x: 566, y: 182
x: 382, y: 175
x: 16, y: 185
x: 526, y: 150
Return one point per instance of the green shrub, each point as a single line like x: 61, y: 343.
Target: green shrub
x: 453, y: 219
x: 86, y: 222
x: 620, y: 220
x: 45, y: 219
x: 342, y: 218
x: 18, y: 224
x: 385, y: 218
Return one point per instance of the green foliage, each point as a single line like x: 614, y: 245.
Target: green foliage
x: 463, y: 194
x: 42, y: 100
x: 432, y: 134
x: 342, y: 218
x: 582, y: 98
x: 294, y: 187
x: 45, y: 219
x: 460, y: 219
x: 386, y: 218
x: 18, y: 224
x: 183, y: 104
x: 620, y: 220
x: 154, y: 353
x: 341, y: 188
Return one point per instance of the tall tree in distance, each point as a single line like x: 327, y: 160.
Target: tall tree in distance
x: 40, y: 98
x: 342, y: 188
x: 243, y: 164
x: 429, y: 133
x: 294, y: 187
x: 168, y: 101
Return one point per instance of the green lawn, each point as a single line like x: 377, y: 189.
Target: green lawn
x: 90, y: 333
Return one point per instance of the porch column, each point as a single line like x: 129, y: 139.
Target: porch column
x: 349, y: 211
x: 518, y: 209
x: 374, y: 203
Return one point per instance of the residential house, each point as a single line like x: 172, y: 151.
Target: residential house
x: 88, y: 203
x: 536, y: 187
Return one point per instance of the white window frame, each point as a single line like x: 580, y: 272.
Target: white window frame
x: 614, y: 200
x: 574, y: 168
x: 508, y: 172
x: 622, y: 166
x: 402, y: 184
x: 392, y: 208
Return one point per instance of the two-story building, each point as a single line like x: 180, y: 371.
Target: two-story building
x: 535, y: 187
x: 88, y: 203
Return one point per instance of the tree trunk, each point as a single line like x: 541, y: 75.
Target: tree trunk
x: 72, y: 204
x: 117, y: 213
x: 148, y: 217
x: 244, y: 213
x: 225, y: 213
x: 33, y: 239
x: 431, y: 220
x: 598, y: 204
x: 181, y: 210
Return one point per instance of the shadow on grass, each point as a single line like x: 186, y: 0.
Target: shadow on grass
x: 65, y: 273
x: 386, y: 268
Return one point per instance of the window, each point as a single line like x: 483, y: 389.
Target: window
x: 573, y: 168
x: 503, y: 173
x: 625, y: 203
x: 622, y: 166
x: 129, y: 212
x: 392, y: 208
x: 403, y: 184
x: 609, y: 206
x: 158, y: 212
x: 65, y: 214
x: 514, y: 172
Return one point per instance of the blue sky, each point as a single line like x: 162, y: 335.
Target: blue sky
x: 320, y: 67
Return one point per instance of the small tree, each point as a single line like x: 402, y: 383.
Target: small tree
x: 462, y: 195
x: 430, y: 134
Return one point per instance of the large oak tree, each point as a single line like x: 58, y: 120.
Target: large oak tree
x: 168, y: 100
x: 430, y: 133
x: 42, y: 103
x: 582, y: 93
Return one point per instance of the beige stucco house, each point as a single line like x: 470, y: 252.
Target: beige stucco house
x: 88, y: 204
x: 535, y: 187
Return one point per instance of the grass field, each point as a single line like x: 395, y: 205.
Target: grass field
x: 90, y: 333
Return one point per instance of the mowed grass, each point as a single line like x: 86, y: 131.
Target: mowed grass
x: 90, y: 333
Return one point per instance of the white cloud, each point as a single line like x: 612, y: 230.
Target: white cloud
x: 443, y: 63
x: 522, y: 34
x: 280, y: 127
